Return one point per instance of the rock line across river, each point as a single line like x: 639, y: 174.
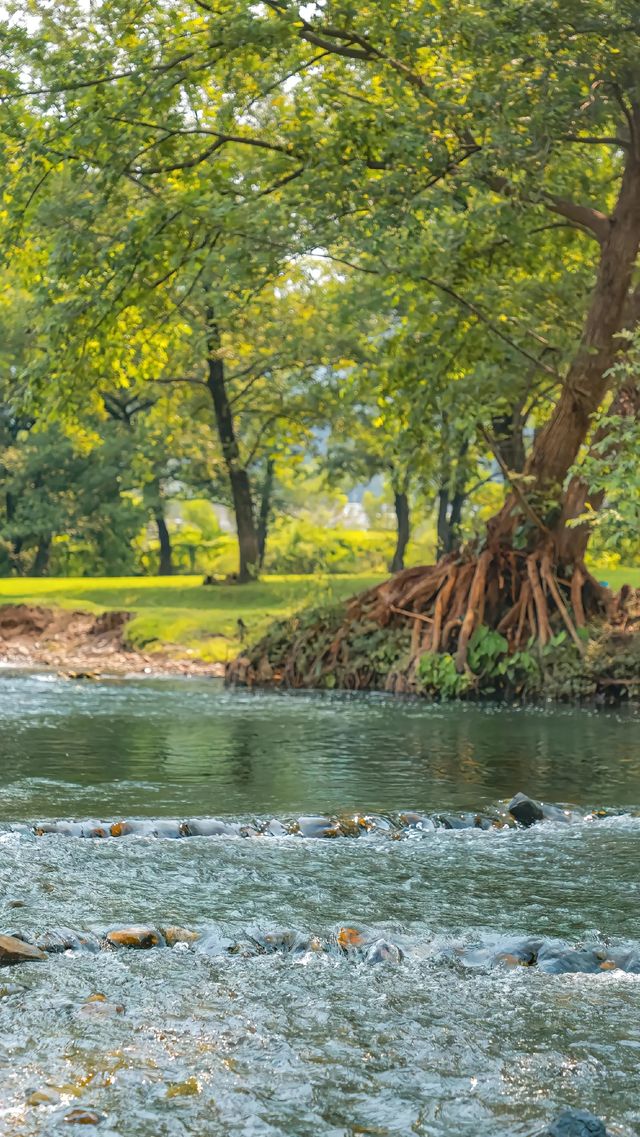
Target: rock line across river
x: 370, y: 946
x: 521, y: 812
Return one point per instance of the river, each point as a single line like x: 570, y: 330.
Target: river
x: 214, y: 1037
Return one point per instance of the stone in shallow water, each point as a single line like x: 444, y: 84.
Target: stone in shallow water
x: 43, y: 1097
x: 175, y: 935
x: 8, y: 989
x: 81, y: 1116
x: 382, y: 951
x: 411, y: 820
x: 57, y: 940
x: 576, y: 1123
x: 184, y: 1089
x: 135, y: 936
x: 462, y: 821
x: 275, y: 828
x: 206, y: 827
x: 13, y: 950
x: 525, y: 810
x: 349, y: 939
x: 557, y: 960
x: 143, y: 828
x: 317, y: 827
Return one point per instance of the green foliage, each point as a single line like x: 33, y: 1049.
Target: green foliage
x: 437, y: 674
x: 301, y: 547
x: 365, y: 214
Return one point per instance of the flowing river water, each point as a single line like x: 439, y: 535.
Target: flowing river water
x: 224, y: 1036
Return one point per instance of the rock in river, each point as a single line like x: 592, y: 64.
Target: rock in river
x: 135, y: 936
x: 79, y: 1116
x: 525, y: 810
x: 13, y: 950
x: 576, y: 1123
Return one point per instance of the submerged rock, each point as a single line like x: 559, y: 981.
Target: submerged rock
x: 382, y: 951
x: 98, y: 1007
x: 412, y: 820
x: 525, y: 810
x: 576, y: 1123
x: 81, y: 1116
x: 557, y: 960
x: 462, y: 821
x: 57, y: 940
x: 14, y: 950
x: 135, y: 936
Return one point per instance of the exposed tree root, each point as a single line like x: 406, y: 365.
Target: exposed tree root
x: 380, y: 637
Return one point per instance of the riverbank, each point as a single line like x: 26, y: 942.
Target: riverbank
x: 177, y: 625
x: 149, y: 625
x: 354, y: 647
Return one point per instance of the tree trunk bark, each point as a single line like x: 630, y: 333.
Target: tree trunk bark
x: 41, y: 559
x: 265, y: 510
x: 442, y: 525
x: 401, y: 503
x: 556, y: 447
x: 165, y: 567
x: 455, y: 518
x: 507, y: 434
x: 238, y: 476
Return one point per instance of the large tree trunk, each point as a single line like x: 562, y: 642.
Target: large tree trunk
x: 401, y: 503
x: 165, y: 567
x: 556, y: 446
x: 238, y: 476
x: 266, y: 493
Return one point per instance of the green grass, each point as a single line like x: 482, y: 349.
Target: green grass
x: 202, y: 621
x: 179, y: 610
x: 616, y: 577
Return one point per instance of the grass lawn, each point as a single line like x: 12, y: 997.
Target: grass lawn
x: 202, y: 621
x: 616, y: 577
x: 180, y: 610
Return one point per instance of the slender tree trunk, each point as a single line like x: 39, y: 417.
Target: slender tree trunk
x: 507, y: 435
x: 455, y: 519
x: 238, y: 476
x: 165, y: 567
x: 265, y: 509
x: 442, y: 524
x: 41, y: 559
x: 16, y: 542
x: 401, y: 503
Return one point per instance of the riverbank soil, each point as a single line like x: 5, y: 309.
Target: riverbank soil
x: 81, y: 644
x: 179, y: 617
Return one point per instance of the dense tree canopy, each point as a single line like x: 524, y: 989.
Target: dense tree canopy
x: 403, y: 235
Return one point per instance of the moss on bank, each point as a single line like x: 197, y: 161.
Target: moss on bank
x: 317, y: 650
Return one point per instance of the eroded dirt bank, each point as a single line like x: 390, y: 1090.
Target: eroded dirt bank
x: 82, y: 644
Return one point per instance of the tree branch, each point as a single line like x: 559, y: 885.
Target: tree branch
x: 585, y: 216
